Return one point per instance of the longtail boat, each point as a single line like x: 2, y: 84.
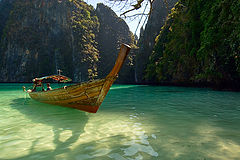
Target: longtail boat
x: 86, y: 96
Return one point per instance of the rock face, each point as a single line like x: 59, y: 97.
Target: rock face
x: 41, y: 36
x: 5, y: 8
x: 113, y: 32
x: 147, y: 36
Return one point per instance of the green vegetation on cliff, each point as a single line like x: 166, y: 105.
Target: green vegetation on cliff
x: 200, y: 43
x: 85, y: 26
x: 41, y: 36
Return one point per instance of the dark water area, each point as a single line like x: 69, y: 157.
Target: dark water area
x: 134, y: 122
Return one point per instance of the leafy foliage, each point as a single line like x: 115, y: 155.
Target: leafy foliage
x: 199, y: 43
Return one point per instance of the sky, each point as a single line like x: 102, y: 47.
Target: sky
x: 119, y: 7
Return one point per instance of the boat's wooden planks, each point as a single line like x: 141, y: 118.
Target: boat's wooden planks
x: 75, y: 100
x: 77, y: 91
x: 65, y: 92
x: 69, y: 90
x: 92, y: 84
x: 82, y: 96
x: 68, y: 97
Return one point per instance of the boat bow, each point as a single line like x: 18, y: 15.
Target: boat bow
x: 86, y: 96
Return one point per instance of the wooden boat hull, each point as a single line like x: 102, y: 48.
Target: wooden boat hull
x: 86, y: 96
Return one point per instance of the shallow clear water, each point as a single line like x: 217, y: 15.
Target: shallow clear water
x: 134, y: 122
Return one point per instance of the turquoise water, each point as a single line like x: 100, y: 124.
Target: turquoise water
x: 133, y: 123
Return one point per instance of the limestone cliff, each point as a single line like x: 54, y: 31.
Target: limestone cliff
x: 5, y: 8
x: 113, y: 32
x: 147, y: 36
x: 41, y: 36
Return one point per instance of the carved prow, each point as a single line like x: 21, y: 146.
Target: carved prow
x: 124, y: 50
x: 111, y: 77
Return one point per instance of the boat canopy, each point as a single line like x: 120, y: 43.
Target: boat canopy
x: 59, y: 78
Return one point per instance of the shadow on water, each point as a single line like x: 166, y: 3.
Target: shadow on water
x: 101, y: 146
x: 59, y: 118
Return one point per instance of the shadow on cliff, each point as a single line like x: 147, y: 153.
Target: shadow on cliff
x: 59, y: 118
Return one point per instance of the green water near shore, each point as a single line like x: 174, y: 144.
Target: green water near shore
x: 133, y: 123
